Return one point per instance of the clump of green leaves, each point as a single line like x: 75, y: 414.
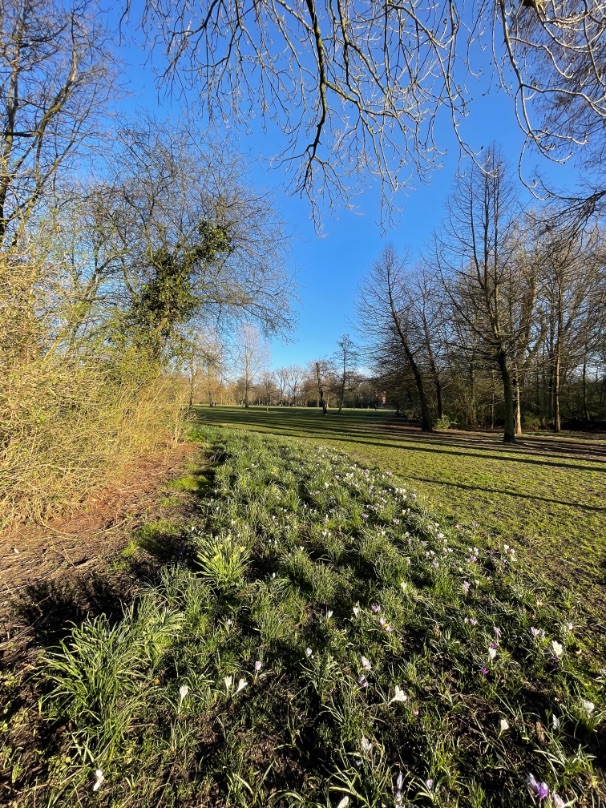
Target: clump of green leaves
x: 222, y: 561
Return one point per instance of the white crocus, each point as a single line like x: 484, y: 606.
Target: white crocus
x: 557, y: 648
x: 241, y: 685
x: 366, y: 664
x: 492, y: 652
x: 399, y: 695
x: 183, y: 691
x: 99, y: 778
x: 503, y: 726
x: 344, y: 803
x: 229, y: 680
x: 588, y: 706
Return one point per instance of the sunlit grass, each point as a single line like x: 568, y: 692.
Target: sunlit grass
x: 551, y: 506
x: 320, y: 639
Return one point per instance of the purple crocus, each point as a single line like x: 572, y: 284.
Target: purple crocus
x: 540, y: 789
x: 375, y: 608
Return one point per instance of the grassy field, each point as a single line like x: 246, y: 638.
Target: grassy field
x: 310, y: 635
x: 546, y: 496
x: 299, y: 629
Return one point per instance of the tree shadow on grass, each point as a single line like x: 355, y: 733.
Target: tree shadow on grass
x: 52, y: 608
x: 304, y: 427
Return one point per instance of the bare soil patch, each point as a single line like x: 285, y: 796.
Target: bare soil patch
x: 67, y: 552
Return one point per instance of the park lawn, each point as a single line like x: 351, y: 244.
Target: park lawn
x: 539, y: 496
x: 312, y: 636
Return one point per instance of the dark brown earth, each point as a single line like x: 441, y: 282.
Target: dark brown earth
x: 70, y: 550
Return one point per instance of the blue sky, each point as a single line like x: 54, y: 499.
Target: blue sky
x: 329, y: 268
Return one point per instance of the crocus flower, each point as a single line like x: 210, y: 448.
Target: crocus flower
x: 366, y: 664
x: 558, y: 802
x: 429, y: 784
x: 308, y: 652
x: 492, y: 652
x: 588, y: 706
x: 362, y: 681
x: 241, y: 685
x: 497, y: 632
x: 343, y: 803
x: 329, y: 614
x: 399, y: 695
x: 356, y: 610
x: 365, y: 744
x: 258, y: 666
x: 540, y: 789
x: 183, y: 691
x: 503, y: 726
x: 375, y: 608
x: 555, y: 721
x: 466, y: 586
x: 557, y: 648
x: 99, y: 778
x: 484, y: 670
x: 229, y: 680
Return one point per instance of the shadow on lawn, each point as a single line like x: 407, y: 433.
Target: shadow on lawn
x: 52, y: 608
x: 317, y: 426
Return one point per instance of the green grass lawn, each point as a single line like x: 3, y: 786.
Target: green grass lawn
x: 311, y: 636
x: 546, y: 496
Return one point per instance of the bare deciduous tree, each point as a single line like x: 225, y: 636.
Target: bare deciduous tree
x: 252, y: 357
x: 346, y: 355
x: 359, y: 86
x: 493, y: 296
x: 385, y: 316
x: 54, y: 81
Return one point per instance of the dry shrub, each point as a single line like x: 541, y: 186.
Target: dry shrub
x: 67, y: 425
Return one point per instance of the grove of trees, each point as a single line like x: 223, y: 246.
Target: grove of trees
x: 124, y: 254
x: 503, y: 320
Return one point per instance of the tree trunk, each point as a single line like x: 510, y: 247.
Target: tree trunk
x: 426, y: 422
x: 585, y: 407
x: 509, y: 431
x: 557, y: 425
x: 518, y: 406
